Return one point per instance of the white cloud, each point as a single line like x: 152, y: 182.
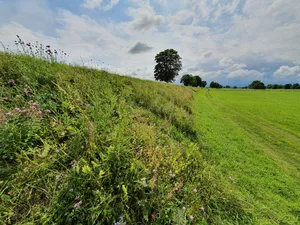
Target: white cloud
x: 93, y: 4
x: 144, y: 18
x: 181, y: 17
x: 245, y: 73
x: 286, y: 71
x: 225, y: 62
x: 111, y: 5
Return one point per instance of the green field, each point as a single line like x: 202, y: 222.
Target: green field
x: 253, y: 137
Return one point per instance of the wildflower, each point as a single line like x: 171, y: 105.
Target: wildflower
x: 202, y: 208
x: 8, y: 114
x: 195, y: 190
x: 17, y: 110
x: 172, y: 175
x: 191, y: 217
x: 71, y: 190
x: 183, y: 208
x: 47, y: 111
x: 11, y: 82
x: 78, y: 204
x: 77, y: 197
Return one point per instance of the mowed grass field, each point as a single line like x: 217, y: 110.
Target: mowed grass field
x: 253, y: 137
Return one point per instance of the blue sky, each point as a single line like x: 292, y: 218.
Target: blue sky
x: 229, y: 41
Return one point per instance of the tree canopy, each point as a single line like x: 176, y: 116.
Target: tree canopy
x: 168, y: 65
x: 214, y: 84
x: 257, y: 84
x: 194, y: 81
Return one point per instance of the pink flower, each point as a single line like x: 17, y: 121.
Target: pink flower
x: 78, y: 204
x: 11, y: 82
x: 77, y: 197
x: 17, y: 110
x: 183, y: 208
x: 202, y: 208
x: 191, y: 217
x: 195, y: 190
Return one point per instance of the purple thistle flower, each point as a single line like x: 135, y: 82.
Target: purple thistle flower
x: 11, y: 82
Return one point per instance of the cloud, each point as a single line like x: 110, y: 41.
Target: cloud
x: 111, y: 5
x: 140, y: 47
x: 208, y: 54
x: 225, y: 62
x: 144, y: 18
x: 93, y: 4
x: 181, y: 17
x: 286, y: 71
x: 245, y: 73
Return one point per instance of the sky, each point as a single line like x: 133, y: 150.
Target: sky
x: 232, y: 42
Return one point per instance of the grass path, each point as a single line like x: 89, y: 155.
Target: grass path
x: 258, y: 157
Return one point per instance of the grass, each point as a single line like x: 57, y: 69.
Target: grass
x: 82, y: 146
x: 253, y: 137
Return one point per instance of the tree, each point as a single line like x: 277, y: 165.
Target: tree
x: 198, y: 80
x: 215, y: 85
x: 194, y: 82
x: 186, y: 79
x: 203, y: 84
x: 288, y: 86
x: 296, y: 86
x: 168, y: 65
x: 257, y: 84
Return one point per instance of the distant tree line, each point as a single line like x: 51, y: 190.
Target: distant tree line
x: 257, y: 84
x: 281, y: 86
x: 194, y: 81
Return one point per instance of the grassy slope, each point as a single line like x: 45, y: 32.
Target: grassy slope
x: 116, y: 146
x: 254, y: 138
